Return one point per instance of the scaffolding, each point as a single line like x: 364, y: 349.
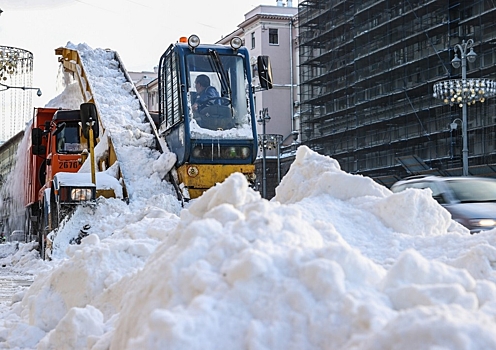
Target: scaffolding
x: 367, y: 70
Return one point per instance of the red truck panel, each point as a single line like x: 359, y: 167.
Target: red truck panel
x: 40, y: 117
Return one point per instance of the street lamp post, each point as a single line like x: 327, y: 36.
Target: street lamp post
x: 455, y: 62
x: 464, y: 92
x: 4, y: 87
x: 268, y: 141
x: 264, y: 117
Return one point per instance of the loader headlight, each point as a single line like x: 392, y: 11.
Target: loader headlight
x: 81, y: 194
x: 236, y: 42
x: 221, y: 152
x: 245, y: 152
x: 193, y: 41
x: 251, y: 177
x: 235, y: 152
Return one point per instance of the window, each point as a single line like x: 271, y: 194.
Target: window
x: 254, y: 70
x: 230, y: 87
x: 253, y: 40
x: 273, y: 37
x: 68, y: 140
x: 170, y: 90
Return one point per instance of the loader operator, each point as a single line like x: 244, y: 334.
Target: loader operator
x: 206, y: 93
x: 208, y: 110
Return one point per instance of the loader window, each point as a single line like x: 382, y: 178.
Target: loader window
x: 170, y: 105
x: 68, y: 140
x: 227, y: 75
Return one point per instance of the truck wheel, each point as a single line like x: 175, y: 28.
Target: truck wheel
x: 43, y: 228
x: 41, y: 236
x: 41, y: 244
x: 28, y: 226
x: 54, y: 212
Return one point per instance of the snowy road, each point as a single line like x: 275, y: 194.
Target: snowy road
x: 11, y: 284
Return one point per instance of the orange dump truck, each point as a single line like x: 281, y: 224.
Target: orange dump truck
x: 58, y: 146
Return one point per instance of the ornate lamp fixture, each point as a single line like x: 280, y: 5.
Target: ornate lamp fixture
x: 9, y: 59
x: 16, y: 76
x: 464, y: 92
x: 15, y: 61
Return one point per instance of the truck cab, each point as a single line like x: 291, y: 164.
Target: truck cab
x: 65, y: 144
x: 58, y: 150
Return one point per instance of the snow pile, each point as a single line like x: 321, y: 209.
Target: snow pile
x: 237, y: 271
x: 334, y: 261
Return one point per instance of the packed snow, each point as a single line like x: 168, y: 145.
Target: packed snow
x: 333, y: 261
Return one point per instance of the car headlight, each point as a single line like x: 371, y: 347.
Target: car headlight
x: 483, y: 222
x: 81, y: 194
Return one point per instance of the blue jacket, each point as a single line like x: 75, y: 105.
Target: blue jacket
x: 203, y: 98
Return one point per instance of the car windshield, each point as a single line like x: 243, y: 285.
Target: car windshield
x: 473, y: 190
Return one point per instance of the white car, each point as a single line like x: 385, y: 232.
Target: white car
x: 17, y: 235
x: 470, y: 200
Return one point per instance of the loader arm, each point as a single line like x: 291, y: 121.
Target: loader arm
x: 72, y: 62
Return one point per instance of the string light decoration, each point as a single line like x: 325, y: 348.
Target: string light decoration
x: 464, y: 91
x: 16, y: 78
x: 13, y: 59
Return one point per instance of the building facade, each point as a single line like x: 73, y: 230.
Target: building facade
x: 367, y: 70
x: 8, y: 153
x: 271, y: 31
x: 147, y: 86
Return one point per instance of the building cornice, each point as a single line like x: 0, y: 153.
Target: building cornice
x: 257, y: 18
x: 264, y: 16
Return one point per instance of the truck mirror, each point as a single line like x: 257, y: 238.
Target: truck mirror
x: 264, y: 72
x: 89, y: 114
x: 36, y: 138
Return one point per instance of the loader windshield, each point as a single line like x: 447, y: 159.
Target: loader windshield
x: 217, y: 91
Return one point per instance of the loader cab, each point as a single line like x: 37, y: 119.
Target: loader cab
x: 212, y: 134
x: 221, y: 129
